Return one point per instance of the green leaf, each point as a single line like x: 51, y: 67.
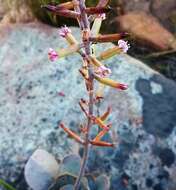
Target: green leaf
x: 102, y: 182
x: 67, y: 187
x: 6, y: 185
x: 70, y: 164
x: 68, y: 180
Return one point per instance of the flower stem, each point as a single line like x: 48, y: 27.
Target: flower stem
x: 86, y: 26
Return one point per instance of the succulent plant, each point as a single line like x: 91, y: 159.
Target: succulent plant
x: 92, y: 68
x: 42, y: 172
x: 92, y: 71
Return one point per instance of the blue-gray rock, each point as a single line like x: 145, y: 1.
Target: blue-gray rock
x: 31, y: 106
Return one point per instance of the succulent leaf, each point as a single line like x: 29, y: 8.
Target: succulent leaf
x: 70, y: 164
x: 102, y: 182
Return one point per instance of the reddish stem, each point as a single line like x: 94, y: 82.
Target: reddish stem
x: 86, y: 27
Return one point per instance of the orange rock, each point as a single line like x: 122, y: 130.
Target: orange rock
x: 147, y: 29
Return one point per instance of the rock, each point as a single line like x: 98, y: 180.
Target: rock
x: 23, y: 15
x: 3, y: 8
x: 152, y: 7
x: 136, y: 5
x: 146, y: 29
x: 158, y: 7
x: 143, y: 117
x: 15, y: 12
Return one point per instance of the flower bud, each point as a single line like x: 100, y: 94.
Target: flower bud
x: 108, y: 38
x: 71, y: 134
x: 61, y: 12
x: 101, y: 143
x: 110, y: 82
x: 67, y: 5
x: 97, y: 10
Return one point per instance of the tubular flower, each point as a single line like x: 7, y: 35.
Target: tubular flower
x: 64, y: 31
x: 52, y: 54
x: 109, y: 53
x: 110, y: 82
x: 71, y: 134
x: 100, y: 123
x: 101, y: 143
x: 103, y: 71
x: 101, y: 134
x: 67, y: 5
x: 123, y: 45
x: 105, y: 115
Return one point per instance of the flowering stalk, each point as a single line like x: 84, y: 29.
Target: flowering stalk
x: 86, y: 28
x: 92, y: 69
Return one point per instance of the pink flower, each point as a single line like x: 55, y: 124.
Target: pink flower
x: 52, y: 54
x: 123, y: 45
x: 103, y: 71
x: 102, y: 16
x: 64, y: 31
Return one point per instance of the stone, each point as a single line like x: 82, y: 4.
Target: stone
x: 155, y: 8
x: 143, y: 117
x: 15, y: 12
x: 136, y: 5
x: 146, y: 28
x: 3, y: 8
x: 158, y: 7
